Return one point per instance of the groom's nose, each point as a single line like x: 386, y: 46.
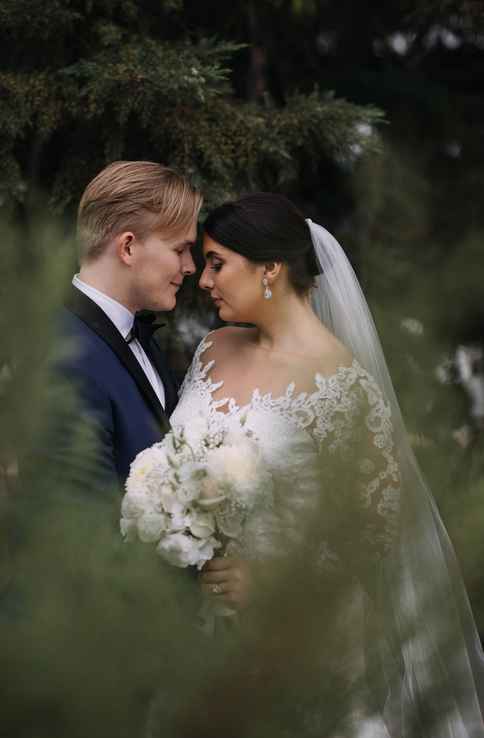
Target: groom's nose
x: 188, y: 265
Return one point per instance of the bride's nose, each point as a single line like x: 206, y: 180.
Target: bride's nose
x: 205, y: 282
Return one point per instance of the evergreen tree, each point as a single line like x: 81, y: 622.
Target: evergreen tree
x: 84, y: 83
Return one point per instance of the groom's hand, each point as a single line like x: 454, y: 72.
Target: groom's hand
x: 229, y: 579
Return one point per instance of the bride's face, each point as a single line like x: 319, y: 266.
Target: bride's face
x: 234, y: 283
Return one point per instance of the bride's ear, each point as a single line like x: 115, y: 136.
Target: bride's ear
x: 272, y: 270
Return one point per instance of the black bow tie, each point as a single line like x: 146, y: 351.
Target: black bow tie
x: 144, y: 326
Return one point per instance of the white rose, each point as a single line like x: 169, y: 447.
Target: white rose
x: 170, y: 500
x: 151, y: 526
x: 135, y: 504
x: 178, y: 521
x: 239, y: 468
x: 179, y: 549
x: 147, y: 461
x: 190, y: 477
x: 202, y: 525
x: 210, y: 496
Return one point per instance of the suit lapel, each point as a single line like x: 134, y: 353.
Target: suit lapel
x: 169, y: 382
x: 96, y: 319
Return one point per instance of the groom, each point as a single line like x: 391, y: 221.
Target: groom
x: 137, y: 223
x: 103, y: 613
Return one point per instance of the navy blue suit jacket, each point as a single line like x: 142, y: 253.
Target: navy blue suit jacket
x: 102, y: 592
x: 113, y: 389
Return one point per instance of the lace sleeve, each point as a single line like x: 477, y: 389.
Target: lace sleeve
x: 354, y: 432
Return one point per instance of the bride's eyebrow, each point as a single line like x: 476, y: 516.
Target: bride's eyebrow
x: 211, y: 255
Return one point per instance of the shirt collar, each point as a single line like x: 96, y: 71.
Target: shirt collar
x: 117, y: 313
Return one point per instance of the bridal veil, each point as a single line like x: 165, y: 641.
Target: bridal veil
x: 430, y: 651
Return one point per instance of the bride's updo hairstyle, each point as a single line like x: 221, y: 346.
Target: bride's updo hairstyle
x: 266, y: 227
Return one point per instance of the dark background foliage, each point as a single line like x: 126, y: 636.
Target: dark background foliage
x: 278, y: 94
x: 368, y: 115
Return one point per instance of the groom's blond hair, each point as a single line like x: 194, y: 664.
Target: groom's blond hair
x: 141, y: 196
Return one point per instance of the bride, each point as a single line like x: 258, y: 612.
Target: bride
x: 305, y: 373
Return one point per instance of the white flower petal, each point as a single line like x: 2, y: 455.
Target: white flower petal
x: 179, y: 550
x: 151, y: 526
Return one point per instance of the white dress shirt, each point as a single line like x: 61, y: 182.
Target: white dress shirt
x: 123, y: 320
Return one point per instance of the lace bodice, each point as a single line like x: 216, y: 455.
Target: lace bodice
x: 324, y: 448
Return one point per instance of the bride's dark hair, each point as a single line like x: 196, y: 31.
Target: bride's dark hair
x: 266, y: 227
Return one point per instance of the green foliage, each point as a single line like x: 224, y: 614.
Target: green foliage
x: 100, y: 82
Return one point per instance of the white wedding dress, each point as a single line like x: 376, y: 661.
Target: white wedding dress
x: 296, y: 432
x: 299, y: 435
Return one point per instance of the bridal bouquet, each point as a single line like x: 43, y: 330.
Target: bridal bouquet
x: 190, y: 493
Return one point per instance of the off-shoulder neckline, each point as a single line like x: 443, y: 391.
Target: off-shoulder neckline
x: 321, y: 381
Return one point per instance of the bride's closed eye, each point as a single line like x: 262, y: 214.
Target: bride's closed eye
x: 216, y: 266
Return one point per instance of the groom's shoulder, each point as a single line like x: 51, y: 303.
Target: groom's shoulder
x: 71, y: 325
x: 81, y: 344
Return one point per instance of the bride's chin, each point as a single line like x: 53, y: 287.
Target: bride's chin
x: 223, y: 312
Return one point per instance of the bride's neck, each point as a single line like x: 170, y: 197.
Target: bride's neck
x: 289, y: 327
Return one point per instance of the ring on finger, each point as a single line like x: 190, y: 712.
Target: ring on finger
x: 216, y: 589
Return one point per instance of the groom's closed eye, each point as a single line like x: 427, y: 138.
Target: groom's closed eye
x: 186, y: 246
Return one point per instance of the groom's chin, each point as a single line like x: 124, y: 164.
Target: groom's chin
x: 167, y: 303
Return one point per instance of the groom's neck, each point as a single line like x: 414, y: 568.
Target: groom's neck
x: 105, y: 279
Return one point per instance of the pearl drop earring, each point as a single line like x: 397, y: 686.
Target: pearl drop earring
x: 267, y: 289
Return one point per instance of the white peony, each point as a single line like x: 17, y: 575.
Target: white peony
x: 190, y: 478
x: 147, y: 461
x: 182, y: 550
x: 136, y: 503
x: 236, y: 467
x: 150, y: 526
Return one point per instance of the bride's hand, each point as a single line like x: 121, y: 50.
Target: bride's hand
x: 229, y: 579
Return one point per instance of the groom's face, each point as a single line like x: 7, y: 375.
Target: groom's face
x: 161, y: 264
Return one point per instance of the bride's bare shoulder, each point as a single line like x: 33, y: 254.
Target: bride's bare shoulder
x: 332, y: 355
x: 226, y: 340
x: 319, y: 351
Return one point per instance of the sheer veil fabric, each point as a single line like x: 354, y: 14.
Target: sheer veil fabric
x: 430, y: 651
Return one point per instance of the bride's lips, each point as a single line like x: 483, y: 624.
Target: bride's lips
x: 217, y: 300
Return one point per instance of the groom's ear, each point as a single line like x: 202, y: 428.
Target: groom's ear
x: 125, y: 247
